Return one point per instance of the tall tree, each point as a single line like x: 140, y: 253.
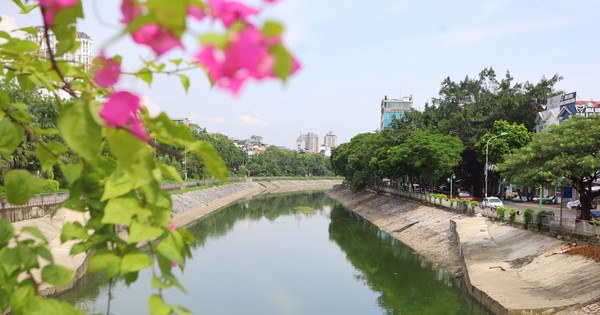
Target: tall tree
x: 566, y: 151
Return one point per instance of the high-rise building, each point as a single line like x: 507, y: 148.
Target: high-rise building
x: 392, y: 109
x: 330, y: 140
x: 308, y: 143
x: 82, y: 56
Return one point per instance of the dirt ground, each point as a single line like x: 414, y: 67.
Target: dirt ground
x: 591, y: 251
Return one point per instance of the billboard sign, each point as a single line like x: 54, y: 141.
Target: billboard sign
x: 568, y: 98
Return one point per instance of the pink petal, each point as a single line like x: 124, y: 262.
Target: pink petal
x: 174, y: 264
x: 156, y: 37
x: 172, y: 227
x: 121, y: 110
x: 130, y: 10
x: 196, y: 12
x: 52, y: 7
x: 230, y: 12
x: 107, y: 71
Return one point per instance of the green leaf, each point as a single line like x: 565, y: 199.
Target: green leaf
x: 35, y: 232
x: 72, y: 231
x: 169, y: 248
x: 45, y: 253
x: 185, y: 82
x: 105, y: 261
x: 272, y: 29
x: 217, y: 40
x: 211, y: 158
x: 21, y: 116
x: 44, y: 132
x: 4, y: 100
x: 118, y: 184
x: 141, y: 232
x: 283, y: 61
x: 12, y: 135
x: 145, y: 74
x: 6, y: 232
x: 120, y: 210
x: 171, y: 172
x: 126, y: 147
x: 20, y: 185
x: 49, y: 153
x: 135, y: 261
x: 177, y: 62
x: 72, y: 172
x: 80, y: 131
x: 165, y: 130
x: 170, y: 14
x: 56, y: 275
x: 157, y: 306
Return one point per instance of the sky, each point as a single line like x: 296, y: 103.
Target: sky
x: 353, y: 53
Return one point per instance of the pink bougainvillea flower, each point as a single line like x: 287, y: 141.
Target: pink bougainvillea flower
x: 121, y: 110
x: 246, y: 57
x: 52, y: 7
x: 106, y: 71
x: 130, y: 10
x: 174, y: 264
x: 172, y: 227
x: 157, y: 38
x: 230, y: 12
x: 271, y: 1
x: 196, y: 12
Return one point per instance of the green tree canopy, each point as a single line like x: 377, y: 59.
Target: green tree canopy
x: 566, y: 151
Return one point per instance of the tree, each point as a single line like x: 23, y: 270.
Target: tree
x: 566, y: 151
x: 104, y: 141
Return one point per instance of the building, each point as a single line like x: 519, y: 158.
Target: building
x: 392, y: 109
x: 308, y: 143
x: 330, y: 140
x: 562, y: 107
x: 81, y: 56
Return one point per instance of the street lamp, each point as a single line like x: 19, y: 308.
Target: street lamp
x: 503, y: 134
x: 185, y: 163
x: 449, y: 179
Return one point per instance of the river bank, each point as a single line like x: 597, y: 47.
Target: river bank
x: 507, y: 270
x: 187, y: 208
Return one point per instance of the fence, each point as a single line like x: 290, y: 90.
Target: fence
x: 550, y: 222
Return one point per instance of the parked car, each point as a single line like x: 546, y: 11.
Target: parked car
x: 576, y: 204
x: 462, y: 195
x: 546, y: 200
x: 491, y: 202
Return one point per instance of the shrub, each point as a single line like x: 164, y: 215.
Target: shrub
x: 501, y: 211
x: 512, y: 213
x: 527, y: 216
x: 473, y: 204
x: 540, y: 218
x: 452, y: 201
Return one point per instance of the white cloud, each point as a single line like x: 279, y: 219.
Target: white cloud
x: 153, y: 108
x: 215, y: 120
x: 255, y: 120
x: 9, y: 24
x: 477, y: 34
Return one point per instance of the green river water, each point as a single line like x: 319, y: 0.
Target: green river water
x: 300, y: 253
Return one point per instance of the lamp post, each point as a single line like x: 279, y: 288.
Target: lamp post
x: 503, y: 134
x: 449, y: 179
x: 185, y: 164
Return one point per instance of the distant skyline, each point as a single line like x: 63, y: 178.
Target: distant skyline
x: 353, y: 53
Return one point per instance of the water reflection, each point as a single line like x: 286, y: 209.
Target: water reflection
x: 293, y: 254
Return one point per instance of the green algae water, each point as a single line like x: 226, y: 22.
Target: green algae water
x: 292, y: 254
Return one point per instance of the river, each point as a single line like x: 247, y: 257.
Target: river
x: 298, y: 253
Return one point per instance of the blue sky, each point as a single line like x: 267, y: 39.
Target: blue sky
x: 355, y: 52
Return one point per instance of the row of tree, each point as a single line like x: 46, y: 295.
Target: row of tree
x: 457, y: 131
x: 274, y: 162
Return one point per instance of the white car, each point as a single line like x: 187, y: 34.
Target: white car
x: 491, y: 202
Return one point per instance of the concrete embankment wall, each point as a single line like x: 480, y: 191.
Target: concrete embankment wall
x: 423, y: 228
x: 508, y: 270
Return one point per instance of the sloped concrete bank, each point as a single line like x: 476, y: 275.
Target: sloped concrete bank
x: 506, y: 269
x: 187, y: 208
